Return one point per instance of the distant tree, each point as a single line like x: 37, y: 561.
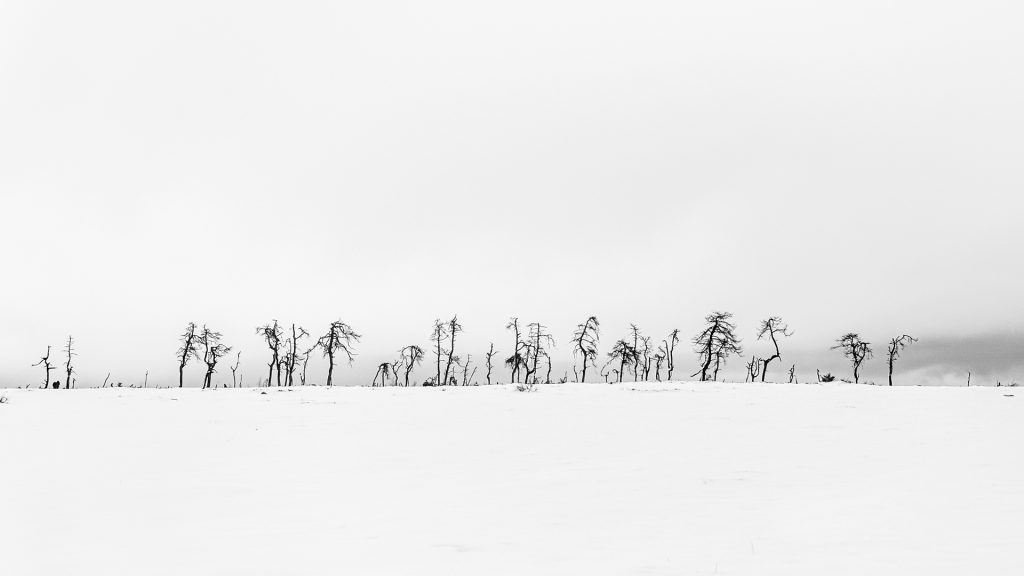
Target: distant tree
x: 539, y: 343
x: 856, y: 350
x: 438, y: 336
x: 213, y: 351
x: 645, y: 357
x: 395, y: 366
x: 753, y: 368
x: 659, y: 359
x: 187, y: 351
x: 272, y: 334
x: 584, y: 343
x: 636, y: 348
x: 490, y: 362
x: 453, y: 329
x: 292, y: 356
x: 70, y: 351
x: 45, y: 363
x: 716, y: 343
x: 383, y: 369
x: 772, y: 328
x: 467, y: 376
x: 234, y: 369
x: 792, y: 373
x: 625, y: 354
x: 896, y: 346
x: 517, y: 361
x: 412, y: 356
x: 670, y: 351
x: 305, y: 364
x: 340, y: 337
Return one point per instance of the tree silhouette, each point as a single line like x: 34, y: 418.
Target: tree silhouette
x: 517, y: 361
x: 187, y: 351
x: 772, y: 327
x: 670, y: 351
x: 213, y: 351
x: 272, y: 333
x: 539, y: 340
x: 292, y: 357
x: 45, y: 363
x: 856, y: 350
x: 896, y: 346
x: 383, y: 369
x: 584, y: 343
x: 453, y: 329
x: 70, y: 351
x: 234, y: 369
x: 340, y: 337
x: 490, y: 362
x: 438, y: 336
x: 626, y: 355
x: 716, y: 343
x: 411, y: 357
x: 636, y: 348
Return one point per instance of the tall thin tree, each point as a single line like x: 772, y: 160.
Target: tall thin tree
x: 45, y: 363
x: 272, y: 334
x: 584, y: 344
x: 772, y: 327
x: 187, y: 351
x: 896, y: 346
x: 70, y: 351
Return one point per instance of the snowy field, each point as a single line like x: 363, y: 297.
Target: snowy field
x: 569, y: 479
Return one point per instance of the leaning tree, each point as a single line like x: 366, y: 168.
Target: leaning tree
x: 411, y: 356
x: 340, y: 337
x: 187, y: 351
x: 584, y: 343
x: 715, y: 343
x: 772, y: 328
x: 896, y: 346
x: 856, y: 350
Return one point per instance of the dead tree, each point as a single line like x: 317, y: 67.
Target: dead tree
x: 645, y: 356
x: 772, y: 327
x: 670, y: 351
x: 298, y: 333
x: 517, y: 361
x: 383, y: 369
x: 584, y: 343
x: 659, y: 359
x: 395, y: 365
x: 45, y: 363
x: 187, y: 351
x: 716, y: 343
x: 547, y: 376
x: 896, y: 346
x: 438, y: 336
x: 305, y: 364
x: 856, y: 350
x: 213, y: 351
x: 234, y: 370
x: 490, y: 362
x: 636, y: 348
x: 411, y: 357
x: 625, y: 354
x: 539, y: 342
x: 453, y: 329
x: 70, y: 351
x: 792, y: 374
x: 467, y: 376
x: 272, y: 334
x: 340, y: 337
x: 753, y: 367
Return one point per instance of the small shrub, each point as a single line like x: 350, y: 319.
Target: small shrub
x: 828, y: 377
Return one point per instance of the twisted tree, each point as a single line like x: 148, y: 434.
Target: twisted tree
x: 716, y: 343
x: 45, y: 363
x: 896, y: 346
x: 625, y: 354
x: 772, y: 328
x: 670, y: 351
x: 272, y: 334
x: 411, y: 356
x: 856, y: 350
x: 213, y: 351
x: 517, y: 361
x: 187, y: 351
x: 584, y: 342
x: 340, y: 337
x: 490, y: 362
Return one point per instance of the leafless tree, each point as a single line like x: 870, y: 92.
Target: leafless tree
x: 234, y: 369
x: 716, y: 343
x: 467, y: 376
x: 772, y: 327
x: 272, y: 333
x: 292, y: 357
x: 659, y: 359
x: 584, y: 343
x: 395, y: 365
x: 412, y: 356
x: 753, y: 368
x: 490, y: 362
x: 70, y: 351
x: 645, y: 357
x: 896, y: 346
x: 670, y: 351
x: 45, y: 363
x: 636, y: 348
x: 340, y: 337
x: 792, y: 374
x: 187, y: 351
x: 539, y: 342
x: 213, y: 351
x: 438, y: 336
x: 305, y: 364
x: 517, y: 361
x: 856, y: 350
x: 625, y: 354
x: 383, y: 369
x: 453, y: 329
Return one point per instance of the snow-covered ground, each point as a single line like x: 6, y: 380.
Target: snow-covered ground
x: 569, y: 479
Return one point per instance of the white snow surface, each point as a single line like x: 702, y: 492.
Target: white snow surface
x: 680, y: 478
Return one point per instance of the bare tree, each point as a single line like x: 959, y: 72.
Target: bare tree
x: 305, y: 364
x: 467, y: 376
x: 645, y: 356
x: 517, y: 361
x: 772, y: 327
x: 753, y: 369
x: 856, y: 350
x: 792, y: 374
x: 340, y: 337
x: 490, y: 362
x: 453, y: 329
x: 539, y: 341
x: 716, y: 343
x: 187, y: 351
x: 412, y: 356
x: 272, y: 333
x: 383, y: 369
x: 659, y: 359
x: 45, y: 363
x: 438, y: 336
x: 626, y: 355
x: 292, y: 357
x: 70, y: 351
x: 213, y: 351
x: 234, y: 369
x: 670, y: 351
x: 896, y: 346
x: 636, y: 348
x: 395, y: 365
x: 584, y: 343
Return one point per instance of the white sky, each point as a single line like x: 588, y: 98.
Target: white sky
x: 849, y: 166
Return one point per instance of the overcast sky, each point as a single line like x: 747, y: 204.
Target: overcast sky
x: 849, y: 166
